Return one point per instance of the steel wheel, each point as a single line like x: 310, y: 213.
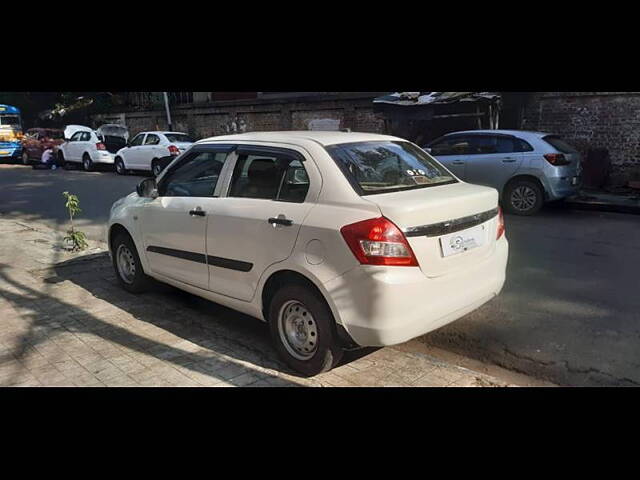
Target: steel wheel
x: 298, y: 330
x: 156, y: 169
x: 86, y: 164
x: 523, y: 198
x: 126, y: 264
x: 120, y: 170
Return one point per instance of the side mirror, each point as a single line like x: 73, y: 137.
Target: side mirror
x: 147, y: 188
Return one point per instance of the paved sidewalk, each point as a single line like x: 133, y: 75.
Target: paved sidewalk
x: 607, y: 202
x: 64, y: 321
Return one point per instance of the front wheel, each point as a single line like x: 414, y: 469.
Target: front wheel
x: 127, y: 265
x: 303, y: 330
x: 523, y: 197
x: 120, y: 168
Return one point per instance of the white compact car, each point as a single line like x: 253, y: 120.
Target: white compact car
x: 337, y: 240
x: 146, y: 148
x: 83, y: 146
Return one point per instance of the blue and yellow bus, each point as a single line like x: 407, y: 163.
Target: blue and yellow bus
x: 10, y: 133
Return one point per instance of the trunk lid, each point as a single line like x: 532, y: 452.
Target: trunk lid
x: 430, y: 214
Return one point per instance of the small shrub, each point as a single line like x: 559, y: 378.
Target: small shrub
x: 77, y: 239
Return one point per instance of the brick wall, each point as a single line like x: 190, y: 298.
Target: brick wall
x: 354, y: 111
x: 590, y: 120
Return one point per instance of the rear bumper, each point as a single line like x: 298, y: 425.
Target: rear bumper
x: 101, y: 156
x: 558, y: 188
x: 380, y: 306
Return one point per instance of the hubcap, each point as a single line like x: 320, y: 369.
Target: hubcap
x: 25, y: 158
x: 523, y: 198
x: 156, y: 170
x: 126, y: 264
x: 298, y: 330
x: 86, y: 164
x: 119, y: 167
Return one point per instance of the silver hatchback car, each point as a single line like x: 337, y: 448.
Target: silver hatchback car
x: 527, y: 168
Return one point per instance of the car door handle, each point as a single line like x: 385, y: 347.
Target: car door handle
x: 197, y: 212
x: 508, y: 160
x: 457, y: 162
x: 280, y: 221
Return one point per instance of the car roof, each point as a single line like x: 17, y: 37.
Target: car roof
x: 321, y: 137
x: 164, y: 133
x: 517, y: 133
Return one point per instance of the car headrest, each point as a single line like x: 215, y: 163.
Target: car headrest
x: 262, y: 169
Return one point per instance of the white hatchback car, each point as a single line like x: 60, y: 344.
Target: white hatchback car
x: 317, y: 234
x: 83, y: 146
x: 146, y: 148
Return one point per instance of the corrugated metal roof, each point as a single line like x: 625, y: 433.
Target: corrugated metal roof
x: 433, y: 98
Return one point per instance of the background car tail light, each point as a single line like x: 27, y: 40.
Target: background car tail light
x: 379, y: 242
x: 556, y: 159
x: 501, y: 228
x: 173, y: 150
x: 100, y: 146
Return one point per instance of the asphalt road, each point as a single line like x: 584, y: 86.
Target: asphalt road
x: 569, y: 312
x: 37, y: 195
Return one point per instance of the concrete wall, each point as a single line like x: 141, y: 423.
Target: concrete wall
x: 354, y: 111
x: 590, y: 120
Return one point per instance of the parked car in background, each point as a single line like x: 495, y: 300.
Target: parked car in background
x: 162, y: 163
x: 146, y: 148
x: 299, y: 229
x: 37, y: 140
x: 527, y: 168
x: 83, y: 146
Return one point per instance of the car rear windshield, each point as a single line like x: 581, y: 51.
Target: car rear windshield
x: 178, y: 137
x: 388, y: 166
x: 559, y: 144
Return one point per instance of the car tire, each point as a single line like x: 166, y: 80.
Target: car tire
x: 523, y: 197
x: 156, y: 169
x: 87, y: 164
x: 127, y: 265
x: 303, y: 330
x: 25, y: 157
x: 119, y: 166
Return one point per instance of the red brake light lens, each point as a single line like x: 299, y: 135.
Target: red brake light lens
x: 379, y: 241
x: 173, y: 150
x: 501, y: 228
x: 100, y: 146
x: 556, y: 159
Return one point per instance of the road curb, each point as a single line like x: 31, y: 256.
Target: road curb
x: 604, y: 207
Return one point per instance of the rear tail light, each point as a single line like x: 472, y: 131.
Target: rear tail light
x: 173, y: 150
x: 379, y: 242
x: 501, y: 228
x: 556, y: 159
x: 100, y: 146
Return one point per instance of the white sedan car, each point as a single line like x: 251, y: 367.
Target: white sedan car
x: 315, y: 233
x: 83, y: 146
x: 146, y: 148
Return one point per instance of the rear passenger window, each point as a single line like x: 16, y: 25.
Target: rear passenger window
x: 269, y: 177
x: 152, y: 140
x: 451, y: 146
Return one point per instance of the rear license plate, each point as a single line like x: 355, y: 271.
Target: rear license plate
x: 459, y: 242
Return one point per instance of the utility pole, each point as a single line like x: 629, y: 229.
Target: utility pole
x: 166, y: 106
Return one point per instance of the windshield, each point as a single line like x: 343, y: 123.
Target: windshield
x: 178, y: 137
x: 381, y: 167
x: 10, y: 120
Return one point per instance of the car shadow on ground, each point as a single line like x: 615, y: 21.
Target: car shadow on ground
x: 216, y: 332
x: 202, y: 322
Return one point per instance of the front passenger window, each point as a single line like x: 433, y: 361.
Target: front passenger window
x: 195, y: 176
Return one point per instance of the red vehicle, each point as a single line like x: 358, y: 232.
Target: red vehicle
x: 37, y: 140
